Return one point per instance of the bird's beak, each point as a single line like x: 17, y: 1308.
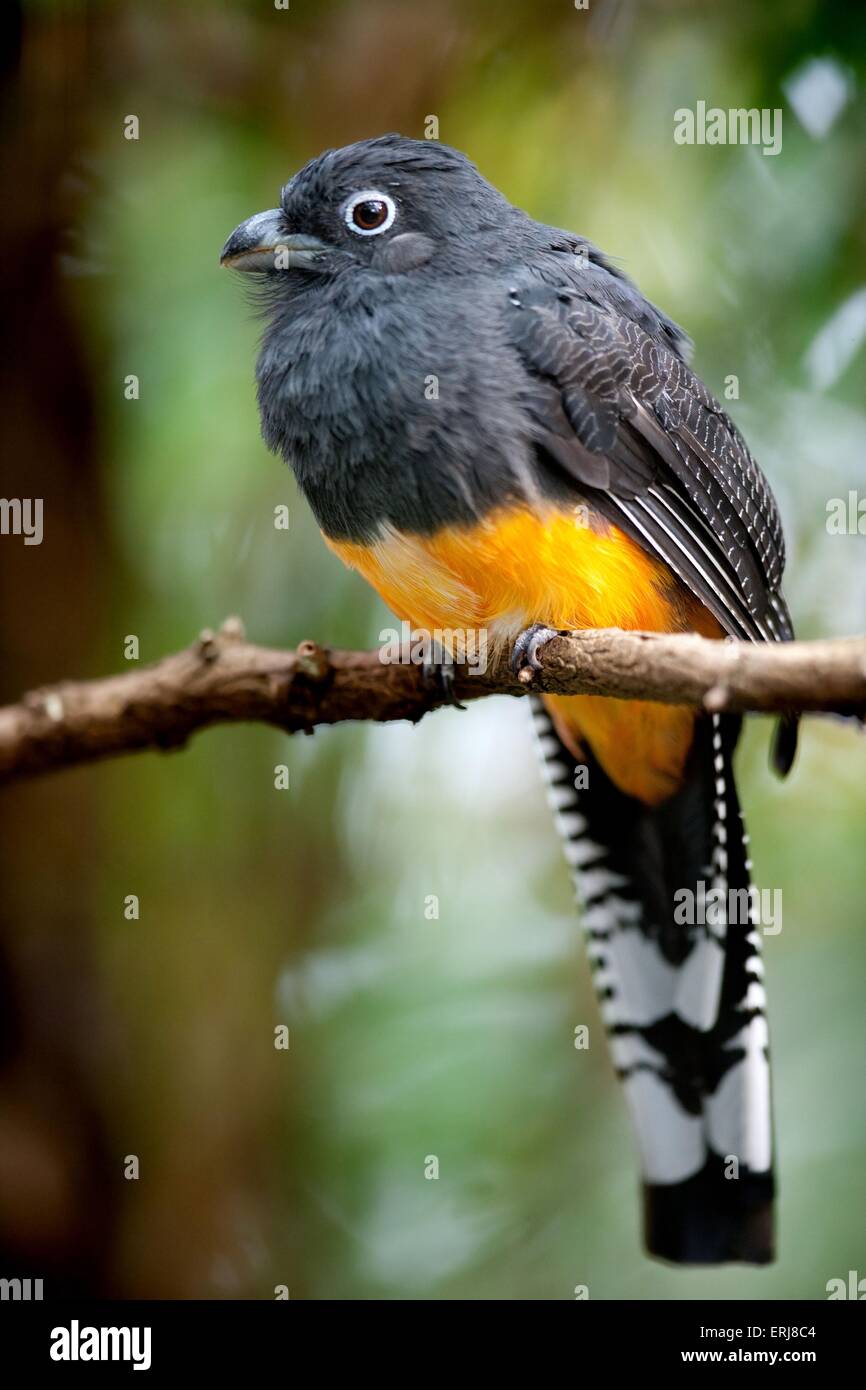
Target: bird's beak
x: 262, y: 244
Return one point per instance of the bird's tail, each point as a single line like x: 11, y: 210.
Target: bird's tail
x: 672, y: 938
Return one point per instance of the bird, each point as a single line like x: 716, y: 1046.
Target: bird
x: 501, y: 434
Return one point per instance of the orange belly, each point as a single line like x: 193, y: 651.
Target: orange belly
x: 568, y: 571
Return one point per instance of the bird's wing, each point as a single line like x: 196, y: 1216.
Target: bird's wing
x: 653, y: 451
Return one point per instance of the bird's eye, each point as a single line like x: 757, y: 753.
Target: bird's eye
x: 369, y: 213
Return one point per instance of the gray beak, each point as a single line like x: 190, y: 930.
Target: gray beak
x: 262, y: 244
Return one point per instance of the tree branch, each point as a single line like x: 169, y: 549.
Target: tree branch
x: 223, y: 678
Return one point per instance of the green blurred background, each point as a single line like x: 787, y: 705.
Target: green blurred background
x: 409, y: 1037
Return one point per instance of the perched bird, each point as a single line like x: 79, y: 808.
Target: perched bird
x: 495, y: 428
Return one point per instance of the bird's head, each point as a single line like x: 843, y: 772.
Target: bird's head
x: 388, y: 204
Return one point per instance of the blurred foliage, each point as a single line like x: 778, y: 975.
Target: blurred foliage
x: 412, y: 1037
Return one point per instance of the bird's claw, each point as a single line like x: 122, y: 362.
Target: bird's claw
x: 524, y: 653
x: 438, y: 675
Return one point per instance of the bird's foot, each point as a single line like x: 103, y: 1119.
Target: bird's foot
x: 438, y: 677
x: 524, y: 654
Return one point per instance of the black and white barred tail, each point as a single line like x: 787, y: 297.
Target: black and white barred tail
x: 684, y: 1005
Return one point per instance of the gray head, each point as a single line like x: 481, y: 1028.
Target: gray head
x: 388, y: 204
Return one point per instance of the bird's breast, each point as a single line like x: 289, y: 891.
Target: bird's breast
x: 566, y: 568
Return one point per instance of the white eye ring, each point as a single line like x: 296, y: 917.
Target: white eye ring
x: 369, y: 195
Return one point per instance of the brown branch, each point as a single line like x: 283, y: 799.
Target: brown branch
x: 223, y: 678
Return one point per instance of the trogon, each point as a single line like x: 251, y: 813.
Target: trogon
x: 502, y: 435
